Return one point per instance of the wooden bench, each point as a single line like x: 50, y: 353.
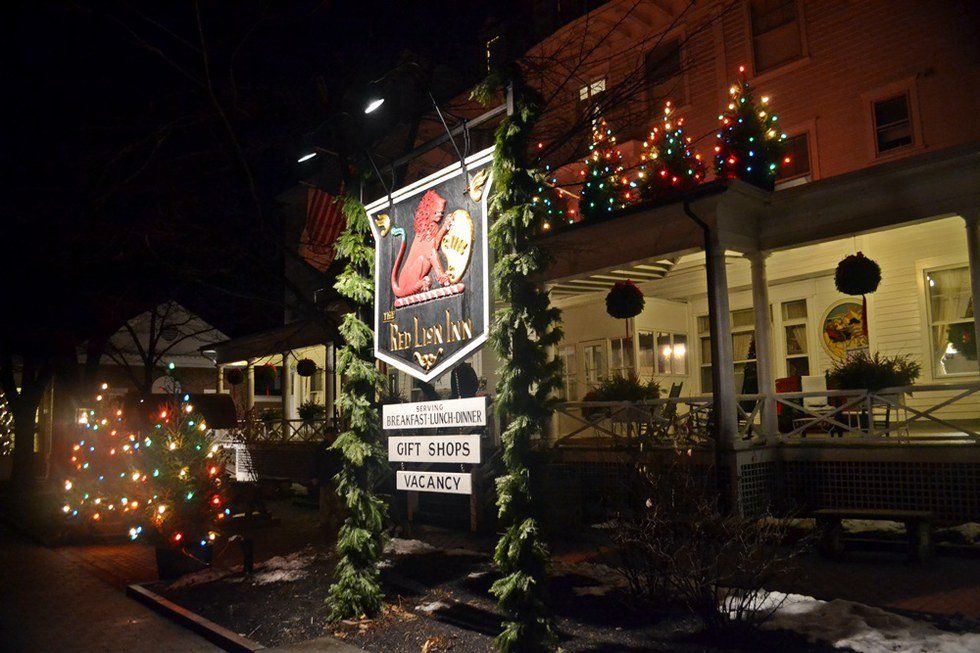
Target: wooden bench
x: 242, y: 528
x: 918, y: 528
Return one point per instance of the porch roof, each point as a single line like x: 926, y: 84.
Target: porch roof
x: 302, y: 333
x: 926, y: 186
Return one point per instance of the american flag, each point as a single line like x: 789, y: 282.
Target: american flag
x: 324, y: 222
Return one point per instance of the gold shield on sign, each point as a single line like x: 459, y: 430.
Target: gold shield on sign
x: 457, y: 245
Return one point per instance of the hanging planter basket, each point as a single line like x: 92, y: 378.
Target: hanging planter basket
x: 306, y: 367
x: 963, y: 339
x: 624, y: 300
x: 857, y: 275
x: 234, y: 377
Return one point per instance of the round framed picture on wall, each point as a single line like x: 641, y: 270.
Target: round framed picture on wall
x: 842, y: 328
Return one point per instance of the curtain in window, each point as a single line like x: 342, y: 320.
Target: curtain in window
x: 950, y: 302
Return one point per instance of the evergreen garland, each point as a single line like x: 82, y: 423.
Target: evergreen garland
x: 750, y: 143
x: 356, y: 590
x: 522, y: 333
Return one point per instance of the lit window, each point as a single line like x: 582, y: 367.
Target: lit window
x: 663, y: 74
x: 776, y: 37
x: 569, y: 374
x: 892, y: 123
x: 951, y: 328
x: 743, y: 346
x: 794, y: 316
x: 591, y: 90
x: 595, y: 363
x: 621, y: 361
x: 798, y: 153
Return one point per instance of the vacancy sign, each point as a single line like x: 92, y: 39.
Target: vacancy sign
x: 448, y: 482
x: 434, y: 449
x: 471, y: 411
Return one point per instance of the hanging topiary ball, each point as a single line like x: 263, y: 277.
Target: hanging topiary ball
x: 306, y: 367
x: 857, y: 275
x: 234, y: 377
x: 624, y: 300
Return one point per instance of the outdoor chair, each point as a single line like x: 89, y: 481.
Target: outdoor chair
x: 663, y: 418
x: 818, y: 404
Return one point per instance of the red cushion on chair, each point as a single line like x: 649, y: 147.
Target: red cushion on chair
x: 787, y: 384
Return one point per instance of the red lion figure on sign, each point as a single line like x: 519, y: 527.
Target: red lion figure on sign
x: 423, y: 255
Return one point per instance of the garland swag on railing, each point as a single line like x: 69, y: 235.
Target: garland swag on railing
x: 523, y: 333
x: 356, y: 590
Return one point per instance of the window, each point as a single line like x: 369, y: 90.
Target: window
x: 621, y: 357
x: 595, y: 363
x: 798, y: 152
x: 776, y: 36
x: 663, y: 353
x: 569, y: 374
x: 794, y: 316
x: 892, y: 123
x: 743, y: 346
x: 951, y: 329
x: 589, y: 91
x: 664, y: 75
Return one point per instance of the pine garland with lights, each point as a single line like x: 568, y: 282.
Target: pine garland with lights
x: 602, y: 191
x: 356, y: 590
x: 523, y: 332
x: 104, y: 486
x: 750, y: 143
x: 6, y: 427
x: 668, y: 162
x: 182, y: 468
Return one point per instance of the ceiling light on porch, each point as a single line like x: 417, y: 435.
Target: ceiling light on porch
x: 306, y: 157
x: 374, y: 104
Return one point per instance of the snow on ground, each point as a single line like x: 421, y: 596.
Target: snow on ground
x: 435, y: 606
x: 846, y: 624
x: 402, y: 547
x: 873, y: 526
x: 604, y: 575
x: 200, y: 577
x: 968, y: 533
x: 283, y: 569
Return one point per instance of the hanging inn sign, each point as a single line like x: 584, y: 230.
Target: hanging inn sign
x: 431, y: 297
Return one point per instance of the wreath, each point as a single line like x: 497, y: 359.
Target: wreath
x: 963, y: 339
x: 857, y: 275
x: 234, y: 377
x: 624, y: 300
x: 306, y: 367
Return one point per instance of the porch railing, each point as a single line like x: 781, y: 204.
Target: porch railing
x: 931, y: 413
x: 281, y: 431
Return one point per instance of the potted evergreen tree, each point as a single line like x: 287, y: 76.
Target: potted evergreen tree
x: 862, y: 370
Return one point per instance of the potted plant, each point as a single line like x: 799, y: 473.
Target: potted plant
x: 862, y: 370
x: 310, y: 411
x: 619, y: 388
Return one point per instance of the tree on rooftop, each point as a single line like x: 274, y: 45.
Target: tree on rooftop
x: 602, y: 191
x: 668, y: 162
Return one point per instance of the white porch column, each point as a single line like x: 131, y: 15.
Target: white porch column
x: 763, y: 339
x: 220, y: 386
x: 288, y: 404
x: 973, y: 248
x: 249, y: 385
x: 722, y: 354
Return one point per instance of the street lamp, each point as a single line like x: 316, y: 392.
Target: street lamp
x: 373, y: 104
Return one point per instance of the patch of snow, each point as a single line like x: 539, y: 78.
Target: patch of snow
x: 610, y: 525
x: 284, y: 569
x: 794, y: 523
x: 434, y: 606
x: 593, y: 590
x: 401, y: 547
x: 208, y: 575
x: 477, y: 575
x: 968, y: 533
x: 278, y: 576
x: 846, y: 624
x: 463, y: 552
x: 873, y: 526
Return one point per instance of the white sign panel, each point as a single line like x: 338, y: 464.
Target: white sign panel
x: 471, y: 411
x: 434, y: 449
x: 448, y: 482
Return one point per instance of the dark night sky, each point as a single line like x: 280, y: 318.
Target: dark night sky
x: 122, y: 163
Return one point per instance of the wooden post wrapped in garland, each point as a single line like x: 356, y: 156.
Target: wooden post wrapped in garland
x: 522, y: 335
x: 357, y: 589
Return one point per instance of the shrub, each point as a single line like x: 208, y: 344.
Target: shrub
x: 864, y: 371
x: 620, y: 388
x: 310, y: 411
x: 676, y: 547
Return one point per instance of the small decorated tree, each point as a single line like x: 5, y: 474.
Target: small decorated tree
x: 750, y: 143
x: 668, y: 162
x: 602, y: 190
x: 185, y: 499
x: 104, y: 485
x: 553, y: 200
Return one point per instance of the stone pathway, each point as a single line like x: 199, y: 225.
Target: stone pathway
x: 53, y: 604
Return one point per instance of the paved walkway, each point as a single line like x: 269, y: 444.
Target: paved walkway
x: 50, y: 603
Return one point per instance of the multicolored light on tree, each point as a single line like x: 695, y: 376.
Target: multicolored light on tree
x: 750, y: 144
x: 668, y: 164
x: 602, y: 180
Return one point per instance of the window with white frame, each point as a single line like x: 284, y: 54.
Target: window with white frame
x: 953, y: 345
x: 777, y: 38
x: 795, y: 345
x: 663, y: 353
x: 743, y: 346
x: 594, y: 356
x: 621, y: 362
x: 892, y: 123
x: 569, y: 373
x: 592, y: 89
x: 664, y: 75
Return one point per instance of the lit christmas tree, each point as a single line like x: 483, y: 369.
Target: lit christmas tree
x: 554, y: 199
x: 750, y: 144
x: 104, y: 486
x: 603, y: 177
x: 187, y: 499
x: 668, y: 164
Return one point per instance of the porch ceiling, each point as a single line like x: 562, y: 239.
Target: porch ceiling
x: 643, y: 272
x: 302, y: 333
